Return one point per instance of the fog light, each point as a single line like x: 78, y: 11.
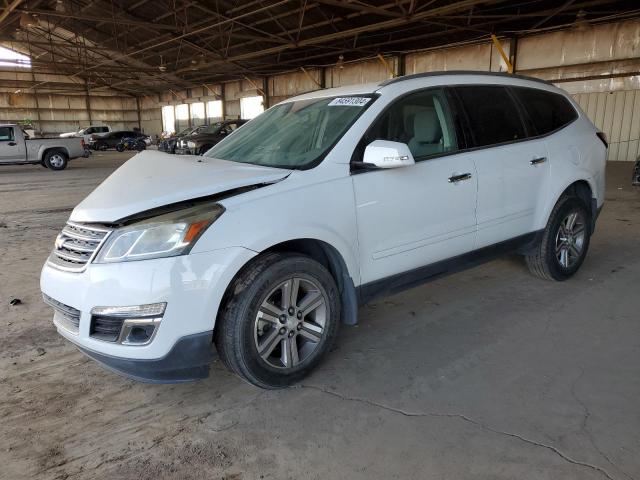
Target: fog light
x: 139, y: 332
x: 130, y: 325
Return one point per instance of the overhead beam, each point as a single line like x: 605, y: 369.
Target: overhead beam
x: 101, y: 19
x: 348, y: 33
x: 8, y: 9
x: 187, y: 34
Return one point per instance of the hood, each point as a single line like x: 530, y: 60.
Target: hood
x: 203, y: 136
x: 69, y: 134
x: 153, y: 179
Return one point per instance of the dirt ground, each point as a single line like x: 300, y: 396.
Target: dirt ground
x: 487, y: 374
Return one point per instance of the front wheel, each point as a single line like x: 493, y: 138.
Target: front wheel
x: 279, y: 320
x: 204, y: 149
x: 55, y: 160
x: 120, y: 147
x: 564, y: 243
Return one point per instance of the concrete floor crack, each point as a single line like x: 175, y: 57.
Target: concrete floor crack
x: 464, y: 418
x: 587, y: 431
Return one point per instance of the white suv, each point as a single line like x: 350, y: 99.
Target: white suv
x: 259, y: 249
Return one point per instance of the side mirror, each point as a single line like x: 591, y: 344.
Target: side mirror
x: 386, y: 154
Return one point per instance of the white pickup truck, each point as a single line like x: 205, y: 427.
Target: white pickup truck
x: 16, y: 147
x: 92, y: 131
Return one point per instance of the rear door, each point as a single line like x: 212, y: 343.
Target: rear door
x: 512, y: 166
x: 413, y: 216
x: 12, y: 149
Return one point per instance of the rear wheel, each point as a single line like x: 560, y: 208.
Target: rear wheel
x: 55, y: 160
x: 564, y: 243
x: 120, y: 147
x: 279, y: 321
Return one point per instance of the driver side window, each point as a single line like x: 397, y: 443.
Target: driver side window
x: 422, y: 120
x: 6, y: 134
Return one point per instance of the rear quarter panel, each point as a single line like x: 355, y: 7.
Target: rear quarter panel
x: 37, y: 147
x: 576, y: 154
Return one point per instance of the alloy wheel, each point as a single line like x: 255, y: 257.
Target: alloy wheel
x: 56, y: 160
x: 290, y: 322
x: 570, y: 239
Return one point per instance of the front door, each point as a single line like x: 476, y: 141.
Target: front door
x: 413, y: 216
x: 10, y: 149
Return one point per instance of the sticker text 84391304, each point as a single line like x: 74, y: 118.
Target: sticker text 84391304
x: 349, y: 101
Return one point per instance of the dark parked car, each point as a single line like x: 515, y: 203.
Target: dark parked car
x: 169, y: 144
x: 200, y: 142
x: 112, y: 139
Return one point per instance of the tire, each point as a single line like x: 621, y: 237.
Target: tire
x: 120, y: 147
x: 203, y: 149
x: 56, y: 160
x: 245, y: 327
x: 140, y: 146
x: 555, y: 258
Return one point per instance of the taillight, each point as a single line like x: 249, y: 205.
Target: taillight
x: 603, y: 137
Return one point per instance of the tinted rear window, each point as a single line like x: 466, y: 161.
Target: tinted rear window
x: 492, y: 113
x: 548, y: 111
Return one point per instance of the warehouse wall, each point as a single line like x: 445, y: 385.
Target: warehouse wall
x: 618, y: 115
x: 58, y: 103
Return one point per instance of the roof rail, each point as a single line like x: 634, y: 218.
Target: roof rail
x: 461, y: 72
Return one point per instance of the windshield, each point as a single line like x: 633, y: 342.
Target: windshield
x: 185, y: 131
x: 214, y: 128
x: 294, y: 134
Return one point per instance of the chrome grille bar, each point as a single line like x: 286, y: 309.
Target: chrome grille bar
x: 77, y: 245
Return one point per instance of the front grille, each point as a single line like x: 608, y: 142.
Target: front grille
x: 76, y: 246
x: 66, y: 317
x: 106, y: 329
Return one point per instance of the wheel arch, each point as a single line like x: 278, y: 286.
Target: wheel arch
x: 47, y: 150
x: 581, y: 188
x: 325, y: 254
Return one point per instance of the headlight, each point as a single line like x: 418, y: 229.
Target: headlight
x: 191, y: 144
x: 166, y: 235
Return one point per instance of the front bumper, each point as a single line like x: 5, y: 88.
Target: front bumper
x: 184, y: 151
x: 188, y: 360
x: 192, y: 287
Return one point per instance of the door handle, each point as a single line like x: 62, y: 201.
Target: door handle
x: 12, y: 144
x: 459, y: 178
x: 538, y: 160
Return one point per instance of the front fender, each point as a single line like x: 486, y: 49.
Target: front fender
x: 275, y: 214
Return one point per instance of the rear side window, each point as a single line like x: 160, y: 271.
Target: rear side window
x: 6, y: 134
x: 548, y: 111
x: 492, y: 114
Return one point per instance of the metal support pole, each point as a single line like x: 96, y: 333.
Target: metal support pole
x: 138, y: 110
x: 266, y: 103
x: 88, y: 101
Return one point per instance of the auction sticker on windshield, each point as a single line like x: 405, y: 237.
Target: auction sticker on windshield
x: 349, y: 101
